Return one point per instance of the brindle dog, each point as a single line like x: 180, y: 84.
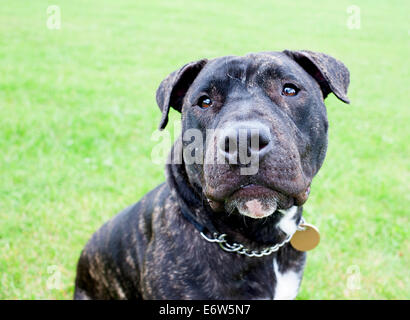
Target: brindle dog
x: 154, y: 249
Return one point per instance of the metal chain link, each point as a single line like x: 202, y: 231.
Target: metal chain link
x: 240, y: 248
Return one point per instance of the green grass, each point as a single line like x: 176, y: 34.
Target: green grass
x: 77, y: 109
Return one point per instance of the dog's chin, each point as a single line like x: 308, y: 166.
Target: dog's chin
x: 254, y: 201
x: 256, y: 208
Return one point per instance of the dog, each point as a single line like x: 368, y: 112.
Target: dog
x: 220, y: 230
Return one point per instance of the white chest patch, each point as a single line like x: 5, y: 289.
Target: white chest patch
x: 287, y: 283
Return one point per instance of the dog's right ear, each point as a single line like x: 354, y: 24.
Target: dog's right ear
x: 172, y: 90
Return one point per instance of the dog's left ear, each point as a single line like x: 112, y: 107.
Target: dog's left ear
x: 172, y: 90
x: 331, y: 74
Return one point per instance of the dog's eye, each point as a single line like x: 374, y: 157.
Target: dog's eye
x: 204, y: 102
x: 290, y: 90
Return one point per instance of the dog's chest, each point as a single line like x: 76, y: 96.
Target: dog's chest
x: 287, y: 283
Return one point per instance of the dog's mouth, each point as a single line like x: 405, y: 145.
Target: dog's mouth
x: 254, y: 201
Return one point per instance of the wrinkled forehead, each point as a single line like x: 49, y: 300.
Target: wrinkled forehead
x: 252, y: 69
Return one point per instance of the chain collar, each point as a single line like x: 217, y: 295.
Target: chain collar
x: 240, y: 248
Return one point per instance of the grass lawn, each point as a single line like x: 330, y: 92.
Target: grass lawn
x: 77, y: 108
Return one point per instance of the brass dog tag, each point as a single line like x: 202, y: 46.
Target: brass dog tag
x: 307, y: 239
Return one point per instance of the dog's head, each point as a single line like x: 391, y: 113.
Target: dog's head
x: 254, y: 127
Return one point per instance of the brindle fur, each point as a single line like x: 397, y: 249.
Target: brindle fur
x: 150, y: 251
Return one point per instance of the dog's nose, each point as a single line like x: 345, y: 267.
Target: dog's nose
x: 238, y: 142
